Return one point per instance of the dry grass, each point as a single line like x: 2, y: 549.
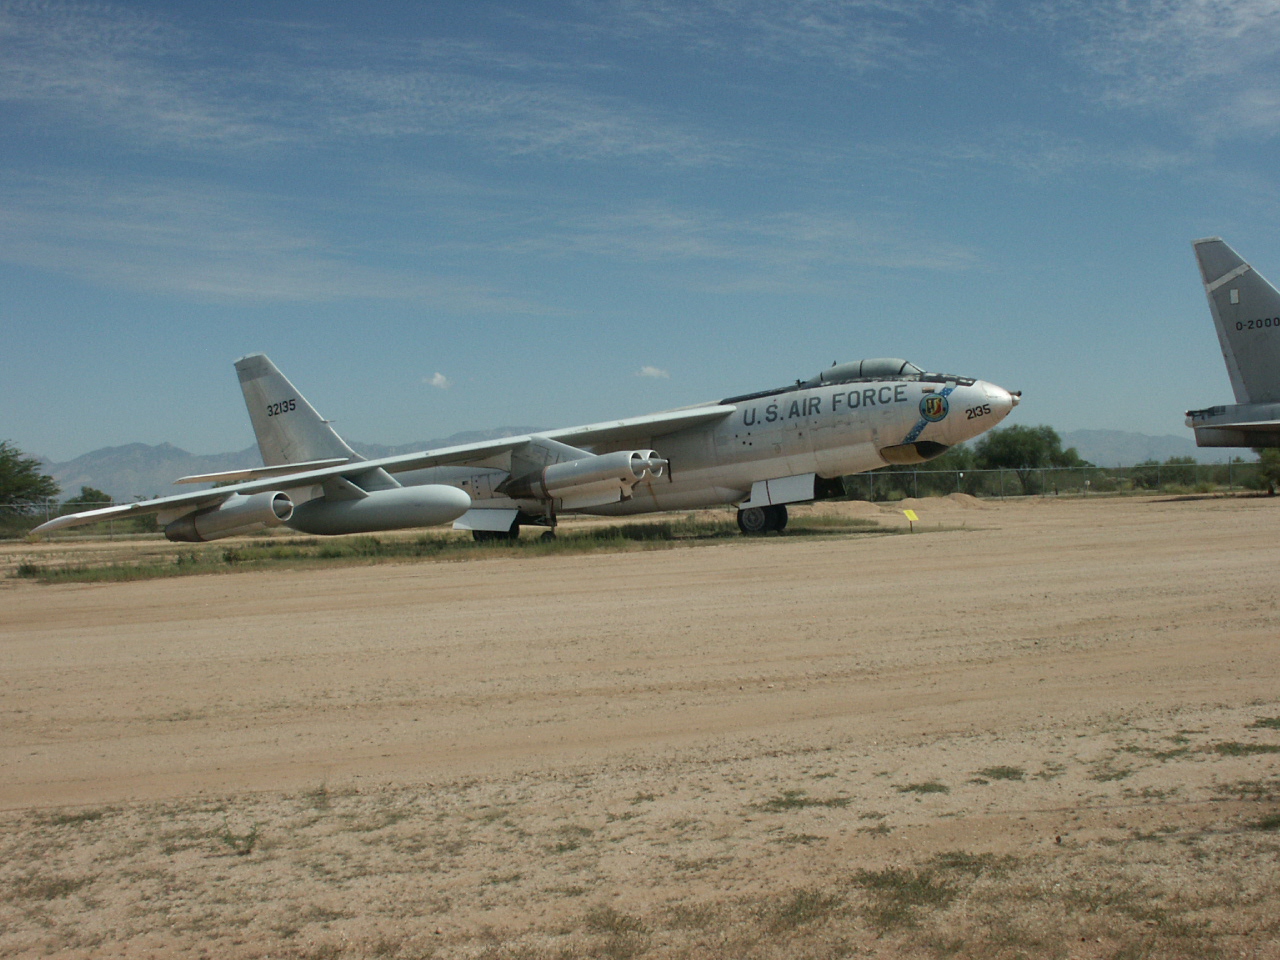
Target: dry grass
x: 590, y: 865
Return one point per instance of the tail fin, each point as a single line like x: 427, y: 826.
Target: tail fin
x: 1246, y: 312
x: 288, y: 428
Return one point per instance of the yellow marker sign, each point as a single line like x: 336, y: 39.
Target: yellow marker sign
x: 910, y: 515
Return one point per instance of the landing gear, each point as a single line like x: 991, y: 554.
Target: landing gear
x: 488, y: 536
x: 754, y: 521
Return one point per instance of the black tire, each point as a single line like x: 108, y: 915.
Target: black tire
x: 547, y: 535
x: 485, y: 536
x: 754, y: 521
x: 778, y: 521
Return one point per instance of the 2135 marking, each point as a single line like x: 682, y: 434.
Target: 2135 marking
x: 973, y: 413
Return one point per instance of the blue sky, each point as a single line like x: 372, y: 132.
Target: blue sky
x: 456, y: 215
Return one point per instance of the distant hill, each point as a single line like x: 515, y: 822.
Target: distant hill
x: 142, y: 470
x: 1118, y: 448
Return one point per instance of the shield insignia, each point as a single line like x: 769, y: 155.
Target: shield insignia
x: 933, y: 407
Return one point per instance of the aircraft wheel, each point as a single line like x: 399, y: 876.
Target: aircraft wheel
x: 548, y: 535
x: 484, y: 536
x: 753, y: 521
x: 779, y: 519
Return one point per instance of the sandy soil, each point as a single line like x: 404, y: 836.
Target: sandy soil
x: 1034, y: 728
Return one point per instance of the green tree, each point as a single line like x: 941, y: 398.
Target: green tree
x: 1269, y: 468
x: 89, y: 498
x: 1025, y: 450
x: 22, y: 485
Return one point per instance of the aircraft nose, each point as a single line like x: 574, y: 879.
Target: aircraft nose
x: 1002, y: 401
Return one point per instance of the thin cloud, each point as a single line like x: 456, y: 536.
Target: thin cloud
x: 854, y: 36
x: 439, y: 381
x: 653, y: 372
x: 1210, y: 64
x: 211, y: 243
x: 155, y: 85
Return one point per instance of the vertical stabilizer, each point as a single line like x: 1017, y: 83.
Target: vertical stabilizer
x: 288, y: 428
x: 1246, y: 313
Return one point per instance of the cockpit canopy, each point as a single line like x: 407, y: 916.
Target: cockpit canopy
x: 882, y: 368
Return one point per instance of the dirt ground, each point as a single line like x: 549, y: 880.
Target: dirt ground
x: 1033, y: 728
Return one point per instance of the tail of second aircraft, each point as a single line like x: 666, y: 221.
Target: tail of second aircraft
x: 288, y: 428
x: 1246, y: 312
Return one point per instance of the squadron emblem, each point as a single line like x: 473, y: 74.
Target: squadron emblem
x: 933, y: 407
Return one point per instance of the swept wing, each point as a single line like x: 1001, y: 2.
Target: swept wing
x: 266, y: 479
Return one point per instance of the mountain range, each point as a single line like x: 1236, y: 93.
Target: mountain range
x: 143, y: 470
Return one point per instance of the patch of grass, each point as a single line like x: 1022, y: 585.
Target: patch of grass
x: 689, y: 530
x: 1002, y: 773
x: 794, y: 839
x: 1269, y: 824
x: 40, y: 888
x: 605, y: 919
x: 623, y: 936
x: 74, y: 819
x: 798, y: 800
x: 500, y: 879
x: 1266, y: 723
x: 1107, y: 773
x: 900, y: 894
x: 1252, y: 789
x: 802, y: 907
x: 1233, y: 749
x: 241, y: 844
x: 929, y: 786
x: 320, y: 798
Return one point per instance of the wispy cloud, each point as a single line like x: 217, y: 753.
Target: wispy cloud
x: 153, y: 84
x: 787, y: 244
x: 1211, y: 63
x: 654, y: 373
x: 202, y: 241
x: 439, y: 381
x: 856, y: 36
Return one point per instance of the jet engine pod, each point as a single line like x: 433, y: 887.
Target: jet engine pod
x: 395, y: 509
x: 590, y: 481
x: 906, y: 454
x: 233, y: 517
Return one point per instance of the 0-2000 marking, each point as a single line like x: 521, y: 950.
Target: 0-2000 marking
x: 1258, y: 324
x: 284, y: 406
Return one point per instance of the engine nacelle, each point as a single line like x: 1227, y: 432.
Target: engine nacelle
x: 395, y: 509
x: 908, y: 454
x: 233, y: 517
x: 590, y: 481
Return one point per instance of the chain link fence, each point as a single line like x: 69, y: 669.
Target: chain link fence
x: 881, y: 485
x: 17, y: 520
x: 1175, y: 478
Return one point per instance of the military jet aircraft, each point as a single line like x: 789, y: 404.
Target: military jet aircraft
x: 1246, y: 313
x: 759, y: 451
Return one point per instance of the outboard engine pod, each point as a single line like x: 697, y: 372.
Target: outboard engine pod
x: 235, y: 516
